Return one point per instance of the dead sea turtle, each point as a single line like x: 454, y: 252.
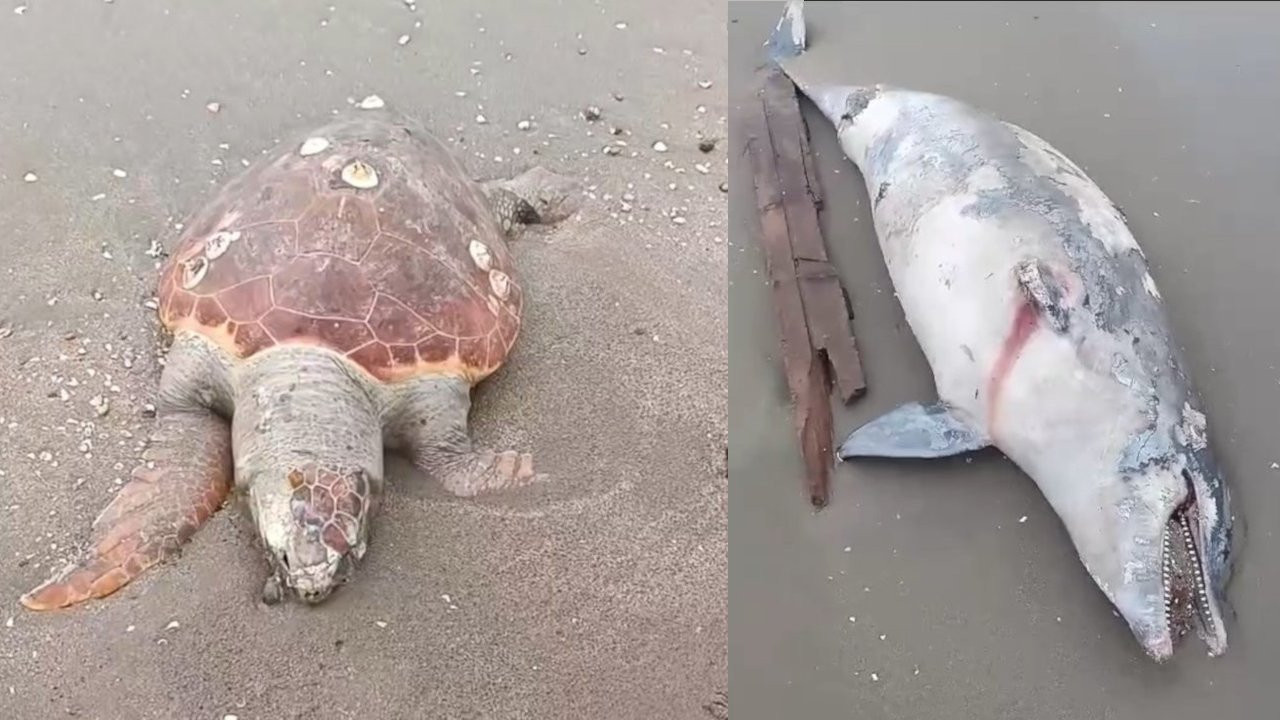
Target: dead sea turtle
x: 343, y: 294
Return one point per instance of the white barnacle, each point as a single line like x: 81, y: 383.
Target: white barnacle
x: 500, y: 283
x: 218, y: 243
x: 193, y: 271
x: 313, y: 146
x: 480, y: 255
x: 360, y: 175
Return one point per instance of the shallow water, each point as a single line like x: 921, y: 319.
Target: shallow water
x: 949, y: 588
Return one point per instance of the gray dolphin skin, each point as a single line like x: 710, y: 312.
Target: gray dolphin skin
x: 1047, y: 339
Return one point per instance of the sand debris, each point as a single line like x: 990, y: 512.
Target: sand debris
x: 313, y: 146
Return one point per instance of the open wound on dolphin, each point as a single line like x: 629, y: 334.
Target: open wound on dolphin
x: 1185, y: 595
x: 1025, y: 319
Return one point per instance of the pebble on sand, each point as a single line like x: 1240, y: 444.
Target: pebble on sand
x: 30, y: 177
x: 120, y: 173
x: 403, y: 40
x: 371, y: 102
x: 213, y: 107
x: 659, y: 146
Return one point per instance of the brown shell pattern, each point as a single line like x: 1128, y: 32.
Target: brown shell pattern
x: 290, y: 253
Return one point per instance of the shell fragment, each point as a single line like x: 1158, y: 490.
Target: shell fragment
x: 360, y: 175
x: 312, y: 146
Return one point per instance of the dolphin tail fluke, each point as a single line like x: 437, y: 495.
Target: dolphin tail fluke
x: 788, y: 39
x: 913, y: 430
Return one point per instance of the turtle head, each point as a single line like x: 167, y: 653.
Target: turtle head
x: 535, y: 197
x: 315, y: 526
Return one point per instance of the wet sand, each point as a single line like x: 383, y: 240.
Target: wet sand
x: 602, y: 594
x: 921, y: 592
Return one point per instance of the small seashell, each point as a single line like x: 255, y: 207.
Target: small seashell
x: 480, y: 255
x: 30, y: 177
x: 213, y: 107
x: 193, y: 271
x: 313, y: 145
x: 500, y: 283
x: 360, y: 175
x: 371, y: 102
x: 660, y: 146
x: 120, y: 173
x: 704, y: 84
x: 403, y: 40
x: 218, y: 243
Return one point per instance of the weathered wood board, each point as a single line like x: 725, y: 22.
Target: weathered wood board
x: 810, y: 302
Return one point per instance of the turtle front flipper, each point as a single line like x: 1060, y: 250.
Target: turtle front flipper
x: 186, y: 477
x: 534, y: 197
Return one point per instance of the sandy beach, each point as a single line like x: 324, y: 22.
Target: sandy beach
x: 601, y: 594
x: 949, y: 589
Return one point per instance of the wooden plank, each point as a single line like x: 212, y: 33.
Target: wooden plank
x: 810, y: 172
x: 809, y: 300
x: 825, y: 307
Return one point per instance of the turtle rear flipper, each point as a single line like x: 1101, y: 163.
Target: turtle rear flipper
x: 186, y: 477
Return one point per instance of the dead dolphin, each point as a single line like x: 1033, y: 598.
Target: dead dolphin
x: 1047, y: 339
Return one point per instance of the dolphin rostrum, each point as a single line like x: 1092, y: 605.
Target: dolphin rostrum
x: 1047, y: 339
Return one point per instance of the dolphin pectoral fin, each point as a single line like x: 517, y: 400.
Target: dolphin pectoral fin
x: 914, y: 430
